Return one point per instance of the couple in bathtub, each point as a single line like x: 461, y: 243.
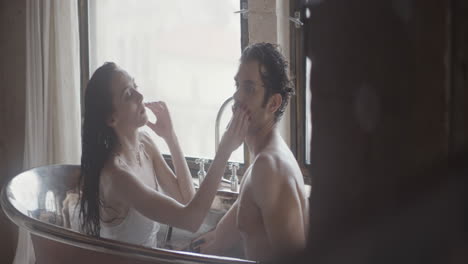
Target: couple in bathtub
x: 127, y: 187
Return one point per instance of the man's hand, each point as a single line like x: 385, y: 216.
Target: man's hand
x: 163, y: 126
x: 205, y: 243
x: 222, y: 238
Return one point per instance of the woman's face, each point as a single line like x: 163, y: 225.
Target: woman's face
x: 128, y: 109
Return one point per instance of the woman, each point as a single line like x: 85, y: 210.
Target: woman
x: 126, y: 186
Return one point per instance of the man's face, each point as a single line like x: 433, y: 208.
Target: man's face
x: 250, y: 92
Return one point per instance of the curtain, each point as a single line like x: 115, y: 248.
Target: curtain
x: 53, y: 122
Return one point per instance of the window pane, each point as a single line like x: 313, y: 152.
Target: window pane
x: 308, y: 121
x: 182, y: 52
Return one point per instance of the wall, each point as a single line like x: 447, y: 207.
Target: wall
x: 268, y: 22
x: 459, y: 124
x: 380, y: 106
x: 12, y: 100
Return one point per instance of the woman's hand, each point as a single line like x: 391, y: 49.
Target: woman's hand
x: 236, y: 130
x: 163, y: 126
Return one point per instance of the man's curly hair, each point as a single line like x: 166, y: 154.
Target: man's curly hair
x: 273, y: 70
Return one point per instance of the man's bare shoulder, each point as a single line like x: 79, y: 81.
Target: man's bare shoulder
x: 264, y: 163
x: 277, y: 160
x: 275, y: 168
x: 271, y: 179
x: 267, y: 171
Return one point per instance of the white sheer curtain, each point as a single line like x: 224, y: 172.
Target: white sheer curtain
x: 53, y: 126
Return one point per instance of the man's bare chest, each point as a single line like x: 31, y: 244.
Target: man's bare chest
x: 249, y: 217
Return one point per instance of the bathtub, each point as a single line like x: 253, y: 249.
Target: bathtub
x: 33, y: 200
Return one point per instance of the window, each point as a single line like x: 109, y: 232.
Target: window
x: 301, y: 120
x: 182, y: 52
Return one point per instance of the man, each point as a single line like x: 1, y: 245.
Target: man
x: 270, y: 216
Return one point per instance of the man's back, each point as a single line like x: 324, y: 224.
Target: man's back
x: 273, y: 211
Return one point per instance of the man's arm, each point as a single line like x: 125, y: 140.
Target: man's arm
x: 274, y: 193
x: 224, y: 237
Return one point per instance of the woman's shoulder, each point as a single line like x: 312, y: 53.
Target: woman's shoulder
x: 148, y: 143
x: 114, y: 181
x: 116, y: 176
x: 145, y: 136
x: 114, y: 166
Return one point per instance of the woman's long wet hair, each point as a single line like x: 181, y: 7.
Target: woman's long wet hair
x: 98, y: 140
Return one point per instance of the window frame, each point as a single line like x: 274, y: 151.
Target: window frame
x: 298, y: 102
x: 83, y: 17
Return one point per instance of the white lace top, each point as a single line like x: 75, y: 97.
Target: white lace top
x: 134, y: 228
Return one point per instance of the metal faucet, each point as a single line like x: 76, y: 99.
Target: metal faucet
x: 201, y: 173
x: 218, y: 121
x: 234, y: 180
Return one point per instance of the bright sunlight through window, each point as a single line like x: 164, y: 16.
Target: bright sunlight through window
x: 182, y: 52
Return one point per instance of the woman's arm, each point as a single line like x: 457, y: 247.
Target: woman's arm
x: 184, y: 178
x: 179, y: 186
x: 167, y: 180
x: 161, y: 208
x: 164, y: 209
